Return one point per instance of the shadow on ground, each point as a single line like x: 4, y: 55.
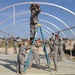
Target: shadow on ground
x: 9, y: 64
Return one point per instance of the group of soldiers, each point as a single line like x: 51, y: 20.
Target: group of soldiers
x: 22, y: 55
x: 56, y: 45
x: 15, y: 44
x: 56, y: 52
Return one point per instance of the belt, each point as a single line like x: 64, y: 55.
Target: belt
x: 22, y: 54
x: 56, y: 44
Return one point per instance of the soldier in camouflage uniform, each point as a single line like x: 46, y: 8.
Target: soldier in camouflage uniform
x: 61, y: 51
x: 15, y: 46
x: 54, y: 51
x: 21, y: 58
x: 6, y: 47
x: 35, y: 55
x: 35, y: 10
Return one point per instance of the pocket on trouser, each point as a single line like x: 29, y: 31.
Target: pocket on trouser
x: 22, y: 62
x: 22, y: 58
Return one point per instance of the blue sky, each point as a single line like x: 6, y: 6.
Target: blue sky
x: 65, y: 16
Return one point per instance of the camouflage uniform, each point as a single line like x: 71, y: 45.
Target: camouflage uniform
x: 35, y: 10
x: 21, y: 59
x: 6, y: 47
x: 15, y: 46
x: 61, y: 51
x: 35, y: 55
x: 55, y: 52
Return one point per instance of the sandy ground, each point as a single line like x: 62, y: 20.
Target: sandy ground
x: 8, y: 65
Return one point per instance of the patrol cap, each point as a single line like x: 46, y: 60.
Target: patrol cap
x: 56, y: 35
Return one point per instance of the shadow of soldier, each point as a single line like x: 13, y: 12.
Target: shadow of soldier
x: 9, y: 64
x: 41, y: 67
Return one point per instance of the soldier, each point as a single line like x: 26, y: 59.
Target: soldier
x: 51, y: 46
x: 26, y: 44
x: 21, y: 58
x: 54, y: 51
x: 35, y: 10
x: 35, y: 55
x: 15, y: 46
x: 51, y: 41
x: 6, y: 47
x: 61, y: 51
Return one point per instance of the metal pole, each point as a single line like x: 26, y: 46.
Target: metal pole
x: 13, y: 15
x: 6, y: 33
